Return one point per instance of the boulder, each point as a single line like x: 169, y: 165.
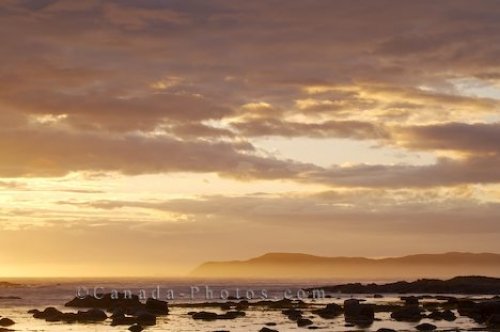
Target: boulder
x: 92, y: 315
x: 493, y: 321
x: 301, y: 322
x: 331, y: 310
x: 266, y: 329
x: 426, y: 327
x: 408, y: 314
x: 205, y: 315
x: 481, y: 311
x: 357, y: 313
x: 6, y: 322
x: 50, y: 314
x: 292, y: 314
x: 107, y: 301
x: 447, y: 315
x: 410, y: 300
x: 231, y: 315
x: 156, y: 307
x: 146, y: 319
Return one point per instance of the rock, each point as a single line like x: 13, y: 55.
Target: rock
x: 135, y: 328
x: 121, y: 319
x: 157, y: 307
x: 357, y: 313
x: 292, y: 314
x: 265, y: 329
x: 225, y: 306
x: 447, y: 315
x: 92, y: 315
x: 385, y: 330
x: 146, y: 319
x: 410, y: 300
x: 50, y: 314
x: 232, y: 315
x: 301, y: 322
x: 108, y: 302
x: 378, y: 296
x: 331, y: 310
x: 426, y: 327
x: 6, y: 322
x: 493, y: 321
x: 205, y: 315
x: 408, y: 314
x: 480, y: 312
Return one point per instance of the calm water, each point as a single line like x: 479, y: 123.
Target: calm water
x: 41, y: 294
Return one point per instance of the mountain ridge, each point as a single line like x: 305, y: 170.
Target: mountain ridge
x: 301, y: 265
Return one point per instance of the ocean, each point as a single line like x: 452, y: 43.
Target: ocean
x: 16, y: 300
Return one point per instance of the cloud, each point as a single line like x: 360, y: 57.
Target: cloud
x: 343, y: 129
x: 475, y: 138
x: 397, y: 211
x: 58, y: 152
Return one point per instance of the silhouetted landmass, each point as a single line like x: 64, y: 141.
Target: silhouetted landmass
x: 5, y: 284
x: 290, y: 265
x: 458, y: 285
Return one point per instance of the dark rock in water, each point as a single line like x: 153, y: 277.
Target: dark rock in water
x: 447, y: 315
x: 6, y: 322
x: 410, y: 300
x: 156, y: 307
x: 265, y: 329
x: 408, y: 314
x: 271, y: 324
x: 92, y: 315
x: 146, y: 319
x: 107, y: 301
x: 136, y: 328
x: 426, y: 327
x: 331, y: 310
x: 357, y: 313
x: 292, y: 314
x: 3, y: 329
x: 121, y: 319
x: 494, y: 321
x: 385, y: 330
x: 378, y: 296
x: 232, y: 315
x: 205, y: 315
x: 225, y: 306
x: 50, y: 314
x: 301, y: 322
x: 481, y: 312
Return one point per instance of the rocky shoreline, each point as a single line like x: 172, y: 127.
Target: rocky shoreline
x: 137, y: 315
x: 467, y: 285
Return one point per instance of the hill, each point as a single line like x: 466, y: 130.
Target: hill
x: 303, y: 266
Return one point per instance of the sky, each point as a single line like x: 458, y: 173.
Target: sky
x: 144, y: 138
